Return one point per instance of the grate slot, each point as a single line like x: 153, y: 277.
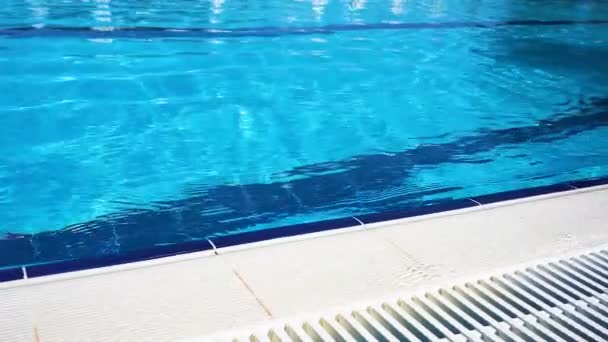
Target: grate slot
x: 503, y: 311
x: 504, y: 314
x: 315, y: 334
x: 597, y: 264
x: 488, y: 333
x: 563, y: 317
x: 557, y: 287
x: 591, y: 268
x: 294, y: 335
x: 432, y: 318
x: 572, y: 309
x: 336, y: 331
x: 471, y: 312
x: 483, y: 311
x: 578, y: 291
x: 584, y: 273
x: 263, y: 336
x: 410, y: 323
x: 462, y: 317
x: 377, y: 330
x: 391, y: 325
x: 554, y: 322
x: 570, y: 281
x: 437, y: 315
x: 445, y: 318
x: 430, y: 326
x: 278, y: 335
x: 582, y: 316
x: 305, y: 332
x: 254, y: 338
x: 355, y: 329
x: 600, y: 258
x: 535, y: 325
x: 597, y: 295
x: 493, y: 320
x: 446, y: 307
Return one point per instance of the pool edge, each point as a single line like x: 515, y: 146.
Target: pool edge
x: 299, y: 231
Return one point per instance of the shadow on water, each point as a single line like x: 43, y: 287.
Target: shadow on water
x: 320, y: 187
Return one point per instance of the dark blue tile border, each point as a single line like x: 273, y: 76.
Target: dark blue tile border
x: 11, y: 274
x: 40, y: 270
x: 418, y: 211
x: 521, y: 193
x: 279, y: 232
x: 89, y: 263
x: 589, y: 182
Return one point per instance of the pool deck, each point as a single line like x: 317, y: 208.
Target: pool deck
x: 201, y: 293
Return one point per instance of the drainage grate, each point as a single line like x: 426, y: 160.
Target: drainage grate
x: 563, y: 300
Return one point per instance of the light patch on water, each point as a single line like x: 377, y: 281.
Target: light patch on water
x: 103, y: 28
x: 357, y: 5
x: 161, y: 100
x: 245, y: 122
x: 101, y: 40
x: 318, y: 6
x: 65, y: 78
x: 398, y: 7
x: 217, y: 6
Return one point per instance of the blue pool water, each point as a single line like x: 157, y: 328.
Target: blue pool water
x: 131, y: 124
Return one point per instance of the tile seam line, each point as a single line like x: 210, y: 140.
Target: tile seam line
x: 213, y: 246
x: 358, y: 220
x: 474, y: 201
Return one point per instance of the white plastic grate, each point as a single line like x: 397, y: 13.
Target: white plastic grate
x: 562, y: 300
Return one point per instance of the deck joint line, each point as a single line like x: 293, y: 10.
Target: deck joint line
x: 24, y: 270
x: 250, y: 289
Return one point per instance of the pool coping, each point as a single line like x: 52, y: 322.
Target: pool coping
x: 247, y: 239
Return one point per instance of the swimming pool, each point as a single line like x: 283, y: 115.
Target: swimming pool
x: 126, y: 126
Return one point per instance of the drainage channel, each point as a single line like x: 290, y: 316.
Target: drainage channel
x: 561, y: 300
